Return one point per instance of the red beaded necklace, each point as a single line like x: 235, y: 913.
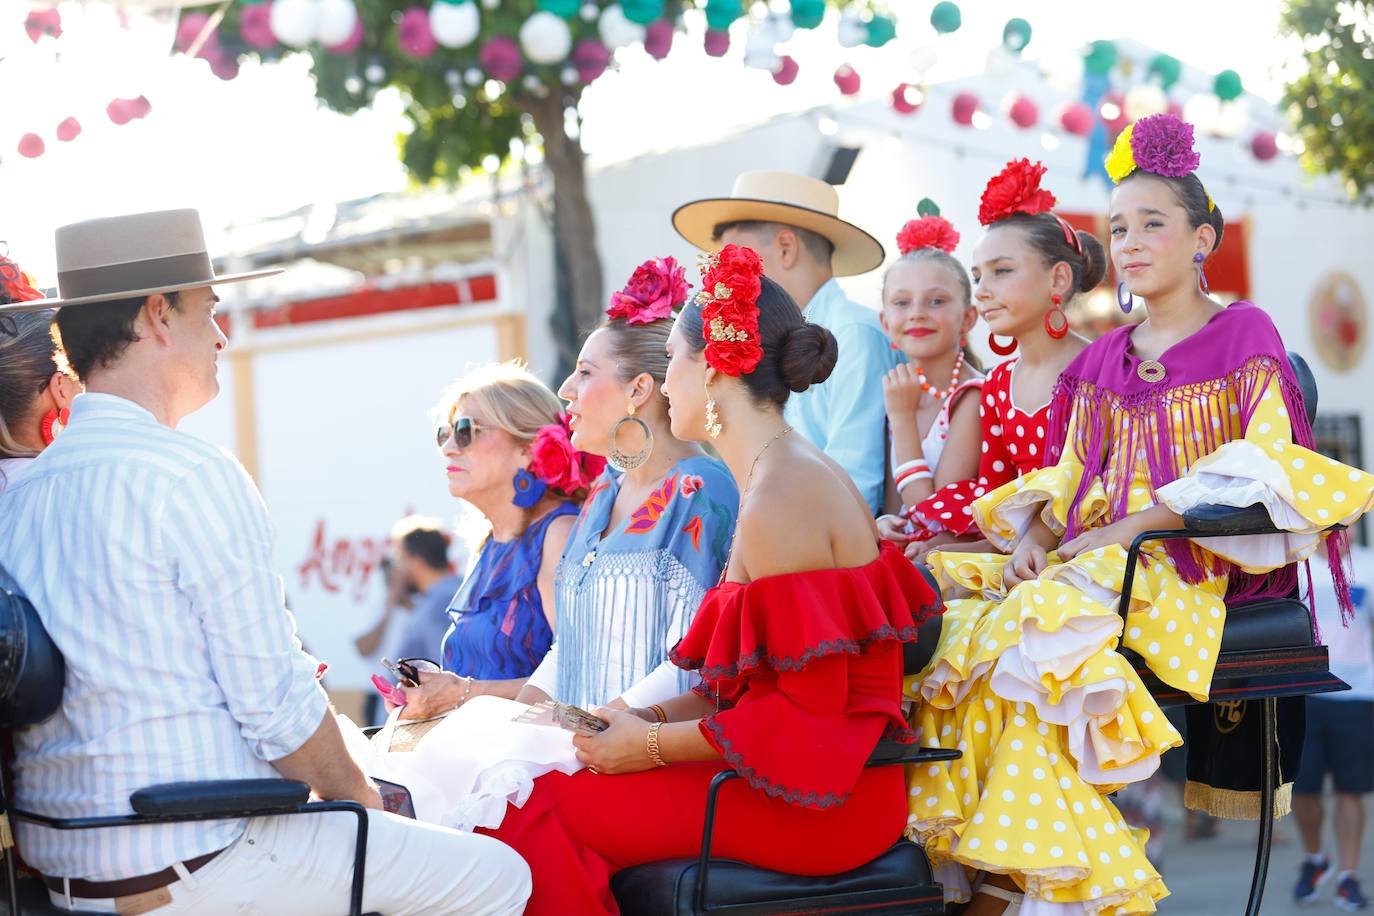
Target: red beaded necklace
x: 953, y: 379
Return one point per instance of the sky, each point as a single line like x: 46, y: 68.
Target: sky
x: 261, y: 144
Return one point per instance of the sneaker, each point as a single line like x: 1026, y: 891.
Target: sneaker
x: 1348, y: 896
x: 1310, y: 880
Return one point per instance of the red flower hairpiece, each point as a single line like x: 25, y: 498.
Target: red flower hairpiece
x: 656, y: 288
x: 928, y: 232
x: 731, y: 284
x: 554, y: 460
x: 1016, y: 189
x: 15, y: 285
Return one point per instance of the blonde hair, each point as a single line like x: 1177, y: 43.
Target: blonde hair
x: 508, y: 397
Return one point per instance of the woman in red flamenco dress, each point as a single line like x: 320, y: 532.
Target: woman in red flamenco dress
x: 799, y: 648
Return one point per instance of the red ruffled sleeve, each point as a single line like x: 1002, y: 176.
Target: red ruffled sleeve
x: 807, y: 672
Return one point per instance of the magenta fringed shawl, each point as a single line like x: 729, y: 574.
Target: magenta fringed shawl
x: 1239, y: 350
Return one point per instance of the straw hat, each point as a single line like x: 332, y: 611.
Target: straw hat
x: 129, y: 257
x: 782, y: 197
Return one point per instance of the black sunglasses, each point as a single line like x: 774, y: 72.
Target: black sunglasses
x: 462, y: 431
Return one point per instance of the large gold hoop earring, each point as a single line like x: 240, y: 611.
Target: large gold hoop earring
x: 713, y: 427
x: 623, y: 461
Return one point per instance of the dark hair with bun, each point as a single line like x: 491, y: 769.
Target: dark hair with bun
x: 1193, y: 198
x: 796, y: 353
x: 1045, y: 233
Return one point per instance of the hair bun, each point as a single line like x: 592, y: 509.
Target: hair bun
x: 807, y: 356
x: 1094, y: 262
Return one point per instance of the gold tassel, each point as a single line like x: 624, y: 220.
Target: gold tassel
x: 1233, y: 804
x: 6, y: 835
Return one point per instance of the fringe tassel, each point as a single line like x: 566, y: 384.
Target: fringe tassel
x: 1233, y: 804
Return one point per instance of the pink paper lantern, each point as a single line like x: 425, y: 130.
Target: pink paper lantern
x: 414, y: 35
x: 69, y: 130
x: 31, y: 146
x: 658, y: 40
x: 352, y: 42
x: 717, y: 42
x: 907, y: 98
x: 1265, y: 145
x: 786, y: 73
x: 189, y: 29
x: 43, y: 22
x: 847, y: 78
x: 223, y: 65
x: 500, y: 57
x: 1023, y: 113
x: 255, y: 26
x: 1114, y: 100
x: 590, y: 58
x: 1176, y: 109
x: 1077, y: 119
x: 118, y: 112
x: 139, y: 107
x: 964, y: 108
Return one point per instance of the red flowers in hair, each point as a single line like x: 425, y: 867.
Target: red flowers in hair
x: 928, y: 232
x: 657, y: 287
x: 1016, y: 189
x: 554, y: 460
x: 731, y: 285
x: 15, y: 285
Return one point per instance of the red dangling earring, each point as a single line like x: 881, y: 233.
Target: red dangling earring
x: 53, y: 423
x: 1001, y: 349
x: 1058, y: 327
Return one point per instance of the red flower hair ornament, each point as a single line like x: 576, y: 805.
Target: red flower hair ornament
x: 1016, y: 189
x: 928, y: 232
x: 562, y: 467
x: 15, y: 285
x: 656, y: 289
x: 731, y: 284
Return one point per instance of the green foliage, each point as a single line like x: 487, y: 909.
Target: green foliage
x: 1328, y: 97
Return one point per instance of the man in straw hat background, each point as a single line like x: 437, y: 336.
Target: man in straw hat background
x: 792, y: 222
x: 148, y: 555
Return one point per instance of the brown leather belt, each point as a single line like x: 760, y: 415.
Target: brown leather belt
x: 127, y: 887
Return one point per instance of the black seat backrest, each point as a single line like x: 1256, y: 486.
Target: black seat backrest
x: 1307, y: 382
x: 32, y: 672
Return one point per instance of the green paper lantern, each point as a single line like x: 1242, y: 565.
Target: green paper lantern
x: 1101, y: 58
x: 720, y: 13
x: 1166, y: 69
x: 946, y: 17
x: 881, y: 30
x: 1016, y: 34
x: 565, y: 8
x: 927, y: 207
x: 807, y: 14
x: 1228, y: 86
x: 642, y: 12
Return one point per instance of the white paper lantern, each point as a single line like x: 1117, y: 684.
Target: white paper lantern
x: 1231, y: 119
x: 295, y: 22
x: 617, y: 30
x: 1001, y: 63
x: 924, y: 58
x: 1201, y: 111
x: 336, y: 21
x: 1145, y: 100
x: 782, y: 27
x: 760, y: 50
x: 545, y: 38
x: 853, y: 32
x: 455, y: 25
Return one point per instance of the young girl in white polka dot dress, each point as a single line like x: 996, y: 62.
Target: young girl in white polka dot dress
x: 1196, y: 405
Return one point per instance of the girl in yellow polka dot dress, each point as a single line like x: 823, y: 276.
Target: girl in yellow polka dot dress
x: 1196, y: 405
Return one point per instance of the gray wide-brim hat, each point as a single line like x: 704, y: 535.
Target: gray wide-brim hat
x: 129, y: 257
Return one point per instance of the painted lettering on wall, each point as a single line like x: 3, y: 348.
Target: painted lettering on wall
x: 341, y: 564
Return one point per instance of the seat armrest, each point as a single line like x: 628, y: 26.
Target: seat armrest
x: 229, y: 797
x: 890, y: 752
x: 1213, y: 519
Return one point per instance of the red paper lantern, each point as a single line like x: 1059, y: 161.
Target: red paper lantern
x: 717, y: 42
x: 255, y: 26
x: 786, y: 72
x: 69, y: 130
x: 500, y: 57
x: 1114, y: 101
x: 964, y: 108
x: 590, y: 58
x: 847, y: 78
x: 1077, y: 119
x: 658, y: 38
x: 907, y: 97
x: 1024, y: 113
x: 31, y: 146
x: 1265, y: 145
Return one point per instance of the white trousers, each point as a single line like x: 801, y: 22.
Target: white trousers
x: 302, y: 865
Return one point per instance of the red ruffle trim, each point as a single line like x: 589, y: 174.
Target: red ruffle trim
x: 950, y: 508
x: 786, y: 622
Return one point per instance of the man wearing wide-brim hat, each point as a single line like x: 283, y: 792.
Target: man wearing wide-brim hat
x: 148, y: 555
x: 793, y: 222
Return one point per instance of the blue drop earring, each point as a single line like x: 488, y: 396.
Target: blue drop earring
x: 1201, y: 276
x: 528, y: 489
x: 1129, y: 302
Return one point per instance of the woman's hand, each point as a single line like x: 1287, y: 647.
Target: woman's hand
x: 1119, y: 532
x: 437, y: 693
x: 893, y: 528
x: 622, y: 748
x: 901, y: 394
x: 1027, y: 562
x: 917, y: 551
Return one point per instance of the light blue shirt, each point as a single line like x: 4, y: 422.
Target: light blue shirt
x: 148, y: 556
x: 844, y: 416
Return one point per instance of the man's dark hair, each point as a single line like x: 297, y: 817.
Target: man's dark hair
x: 428, y: 545
x: 94, y: 336
x: 820, y: 248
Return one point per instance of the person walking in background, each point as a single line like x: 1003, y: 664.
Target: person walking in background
x: 792, y: 222
x: 1340, y: 738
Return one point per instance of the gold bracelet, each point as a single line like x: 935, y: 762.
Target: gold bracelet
x: 659, y: 714
x: 654, y: 754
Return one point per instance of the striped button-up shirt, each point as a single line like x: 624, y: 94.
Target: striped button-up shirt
x: 148, y: 555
